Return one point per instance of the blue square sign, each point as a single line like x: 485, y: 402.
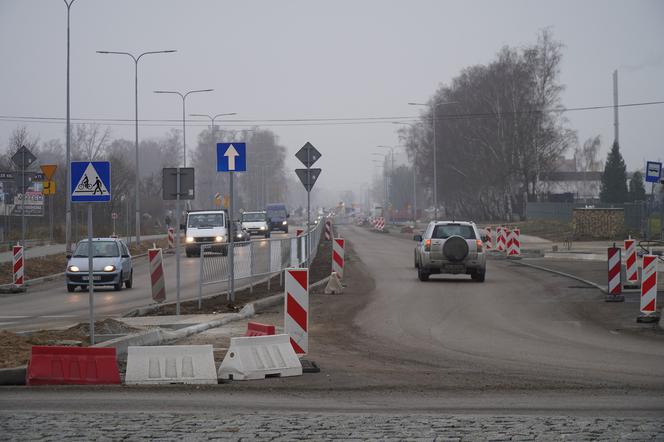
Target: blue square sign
x: 90, y: 181
x: 231, y: 157
x: 653, y: 171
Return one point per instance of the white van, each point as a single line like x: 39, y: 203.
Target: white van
x: 206, y: 227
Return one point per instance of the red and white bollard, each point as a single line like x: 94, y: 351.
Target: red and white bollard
x: 648, y: 308
x: 296, y: 309
x: 501, y: 240
x: 488, y: 244
x: 299, y: 232
x: 18, y: 266
x: 157, y: 275
x: 514, y: 243
x: 614, y: 266
x: 631, y: 266
x: 338, y: 251
x: 328, y: 229
x: 171, y: 237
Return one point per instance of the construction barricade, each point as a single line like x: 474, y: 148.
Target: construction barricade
x: 514, y: 243
x: 72, y: 366
x: 171, y: 364
x: 614, y: 290
x: 296, y: 309
x: 631, y: 265
x: 171, y: 237
x: 488, y: 244
x: 258, y: 329
x: 157, y: 275
x: 258, y: 357
x: 648, y: 305
x: 501, y: 239
x: 328, y: 229
x: 18, y: 264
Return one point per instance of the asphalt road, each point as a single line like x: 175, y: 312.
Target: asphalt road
x: 49, y: 305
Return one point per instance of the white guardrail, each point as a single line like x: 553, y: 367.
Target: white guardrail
x: 260, y: 257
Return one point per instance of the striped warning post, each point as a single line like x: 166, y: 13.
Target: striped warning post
x: 328, y: 229
x: 299, y: 232
x: 171, y: 237
x: 614, y: 263
x: 338, y: 249
x: 514, y: 243
x: 18, y: 265
x: 380, y: 223
x: 296, y: 309
x: 501, y: 240
x: 631, y: 267
x: 488, y: 244
x: 648, y: 308
x: 157, y: 275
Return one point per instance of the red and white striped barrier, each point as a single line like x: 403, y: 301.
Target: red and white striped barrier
x: 18, y: 265
x: 338, y: 250
x: 328, y: 229
x: 380, y: 223
x: 157, y: 275
x: 514, y: 243
x: 631, y: 266
x: 488, y: 244
x: 614, y: 266
x: 299, y: 232
x: 501, y: 239
x: 296, y: 309
x: 648, y: 306
x: 171, y: 237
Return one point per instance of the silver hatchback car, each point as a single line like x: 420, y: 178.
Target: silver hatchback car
x: 450, y: 247
x: 111, y: 265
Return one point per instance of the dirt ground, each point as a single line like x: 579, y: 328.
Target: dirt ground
x: 15, y: 349
x: 320, y: 268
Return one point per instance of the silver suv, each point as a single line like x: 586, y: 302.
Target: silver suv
x: 450, y: 247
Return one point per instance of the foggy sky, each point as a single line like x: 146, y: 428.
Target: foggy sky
x: 271, y: 60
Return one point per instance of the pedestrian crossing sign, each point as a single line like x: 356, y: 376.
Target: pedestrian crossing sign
x: 90, y: 181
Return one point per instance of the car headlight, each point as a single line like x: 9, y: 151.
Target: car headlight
x: 190, y: 239
x: 219, y: 239
x: 109, y: 268
x: 239, y: 235
x: 284, y: 223
x: 262, y: 227
x: 74, y: 269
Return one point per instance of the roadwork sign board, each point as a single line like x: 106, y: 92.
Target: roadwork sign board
x: 231, y: 157
x: 90, y: 181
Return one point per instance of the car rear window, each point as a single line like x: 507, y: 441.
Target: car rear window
x: 444, y: 231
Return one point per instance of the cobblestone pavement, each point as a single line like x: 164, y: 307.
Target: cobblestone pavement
x: 323, y: 426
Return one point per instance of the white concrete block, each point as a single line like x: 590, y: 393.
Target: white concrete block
x: 257, y: 357
x: 171, y: 364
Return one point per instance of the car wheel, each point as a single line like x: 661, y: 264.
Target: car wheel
x: 286, y: 231
x: 117, y: 287
x: 415, y: 261
x: 267, y: 235
x: 422, y: 275
x: 188, y: 253
x: 71, y: 288
x: 130, y: 282
x: 478, y: 275
x: 84, y: 288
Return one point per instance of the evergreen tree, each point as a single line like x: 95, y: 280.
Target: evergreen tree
x: 614, y: 178
x: 637, y: 191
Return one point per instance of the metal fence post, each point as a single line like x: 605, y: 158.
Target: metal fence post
x: 200, y: 276
x: 251, y: 267
x: 269, y: 263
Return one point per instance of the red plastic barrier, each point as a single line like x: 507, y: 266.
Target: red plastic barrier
x: 258, y: 329
x: 72, y: 366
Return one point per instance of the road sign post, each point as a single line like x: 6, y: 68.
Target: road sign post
x: 231, y: 158
x: 49, y: 189
x: 653, y: 176
x: 178, y: 184
x: 90, y: 183
x: 308, y: 155
x: 23, y: 159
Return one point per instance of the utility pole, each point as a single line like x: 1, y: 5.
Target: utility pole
x: 615, y: 107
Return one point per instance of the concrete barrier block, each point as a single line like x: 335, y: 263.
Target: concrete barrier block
x: 171, y: 364
x: 258, y: 357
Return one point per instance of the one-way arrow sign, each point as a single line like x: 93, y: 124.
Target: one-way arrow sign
x: 308, y: 177
x: 231, y: 157
x: 308, y: 154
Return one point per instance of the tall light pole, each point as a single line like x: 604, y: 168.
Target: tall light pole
x: 184, y: 113
x: 386, y: 202
x: 68, y: 143
x: 433, y: 105
x: 136, y: 59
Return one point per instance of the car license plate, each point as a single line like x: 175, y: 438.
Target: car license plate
x: 455, y: 268
x: 94, y: 277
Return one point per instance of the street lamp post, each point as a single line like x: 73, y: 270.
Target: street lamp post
x: 385, y: 191
x: 68, y: 142
x: 433, y: 106
x: 184, y: 113
x: 136, y: 59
